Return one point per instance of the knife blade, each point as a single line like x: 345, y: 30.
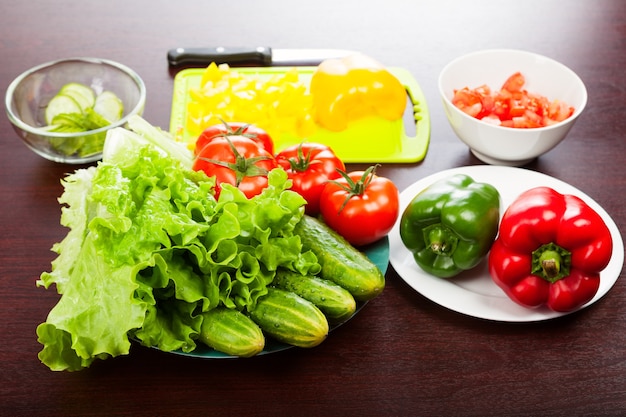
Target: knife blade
x: 258, y: 56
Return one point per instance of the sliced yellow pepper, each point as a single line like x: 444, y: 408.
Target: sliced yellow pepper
x: 354, y: 87
x: 277, y: 104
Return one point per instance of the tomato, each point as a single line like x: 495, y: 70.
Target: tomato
x: 360, y: 206
x: 235, y: 129
x: 511, y: 106
x: 310, y: 166
x: 514, y: 83
x: 236, y: 160
x: 468, y: 101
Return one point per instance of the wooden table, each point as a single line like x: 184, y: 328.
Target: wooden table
x: 402, y: 354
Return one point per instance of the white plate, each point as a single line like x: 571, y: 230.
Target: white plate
x: 473, y: 292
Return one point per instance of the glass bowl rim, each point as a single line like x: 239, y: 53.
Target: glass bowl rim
x: 42, y: 131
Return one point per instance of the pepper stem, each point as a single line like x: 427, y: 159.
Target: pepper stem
x: 440, y: 239
x: 551, y: 262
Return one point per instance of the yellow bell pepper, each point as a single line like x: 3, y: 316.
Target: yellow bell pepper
x: 354, y: 87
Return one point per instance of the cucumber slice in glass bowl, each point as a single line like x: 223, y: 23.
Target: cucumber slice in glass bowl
x: 109, y: 106
x: 83, y: 94
x: 61, y: 104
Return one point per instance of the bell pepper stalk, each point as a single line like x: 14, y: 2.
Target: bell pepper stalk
x: 550, y: 250
x: 450, y: 226
x: 353, y: 87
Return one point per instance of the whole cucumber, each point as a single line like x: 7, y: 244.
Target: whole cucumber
x: 341, y: 262
x: 232, y: 332
x: 335, y: 302
x: 290, y: 319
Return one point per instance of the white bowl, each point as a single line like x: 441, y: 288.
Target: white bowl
x: 498, y: 145
x: 28, y: 95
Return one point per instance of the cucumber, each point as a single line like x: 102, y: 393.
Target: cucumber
x: 335, y: 302
x: 109, y: 106
x: 290, y: 319
x: 82, y: 94
x: 76, y: 100
x: 232, y: 332
x: 341, y: 262
x: 61, y: 104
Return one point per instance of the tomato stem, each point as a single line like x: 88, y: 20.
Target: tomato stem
x: 242, y: 167
x: 355, y: 188
x: 300, y: 163
x: 240, y: 131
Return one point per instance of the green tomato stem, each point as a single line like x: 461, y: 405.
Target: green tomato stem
x: 355, y: 188
x: 301, y: 163
x: 243, y: 167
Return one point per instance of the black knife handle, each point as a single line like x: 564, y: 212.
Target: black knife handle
x: 259, y: 56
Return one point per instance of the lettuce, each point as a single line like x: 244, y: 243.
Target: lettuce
x: 149, y: 249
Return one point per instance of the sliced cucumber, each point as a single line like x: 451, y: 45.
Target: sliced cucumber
x: 68, y: 122
x: 83, y: 94
x: 109, y: 106
x: 61, y: 104
x: 76, y: 108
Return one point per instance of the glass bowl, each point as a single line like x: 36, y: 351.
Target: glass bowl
x: 29, y: 94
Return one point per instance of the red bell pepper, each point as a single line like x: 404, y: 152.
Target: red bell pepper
x: 550, y: 250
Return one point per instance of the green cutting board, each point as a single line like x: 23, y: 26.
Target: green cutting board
x: 367, y: 140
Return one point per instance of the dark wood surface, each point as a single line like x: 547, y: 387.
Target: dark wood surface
x: 402, y: 354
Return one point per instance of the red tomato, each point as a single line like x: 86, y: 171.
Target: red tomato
x: 514, y: 83
x: 236, y: 160
x: 310, y: 166
x: 360, y: 206
x: 468, y: 101
x: 235, y: 129
x: 511, y: 106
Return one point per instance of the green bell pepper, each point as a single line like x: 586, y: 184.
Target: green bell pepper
x: 450, y: 226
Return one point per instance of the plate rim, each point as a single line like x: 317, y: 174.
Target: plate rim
x: 428, y: 285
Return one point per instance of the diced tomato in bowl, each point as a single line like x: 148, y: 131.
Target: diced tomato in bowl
x: 510, y: 106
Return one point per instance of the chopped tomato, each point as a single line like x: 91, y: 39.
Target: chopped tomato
x: 512, y: 105
x: 514, y: 83
x: 470, y: 101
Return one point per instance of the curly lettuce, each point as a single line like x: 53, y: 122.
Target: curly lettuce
x: 149, y: 249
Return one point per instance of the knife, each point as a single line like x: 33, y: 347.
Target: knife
x: 258, y: 56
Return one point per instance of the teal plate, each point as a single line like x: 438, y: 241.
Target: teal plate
x: 377, y: 252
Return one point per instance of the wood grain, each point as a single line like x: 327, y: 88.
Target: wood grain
x: 402, y: 355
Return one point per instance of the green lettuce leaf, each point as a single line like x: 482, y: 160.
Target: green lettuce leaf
x: 91, y: 320
x: 149, y: 249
